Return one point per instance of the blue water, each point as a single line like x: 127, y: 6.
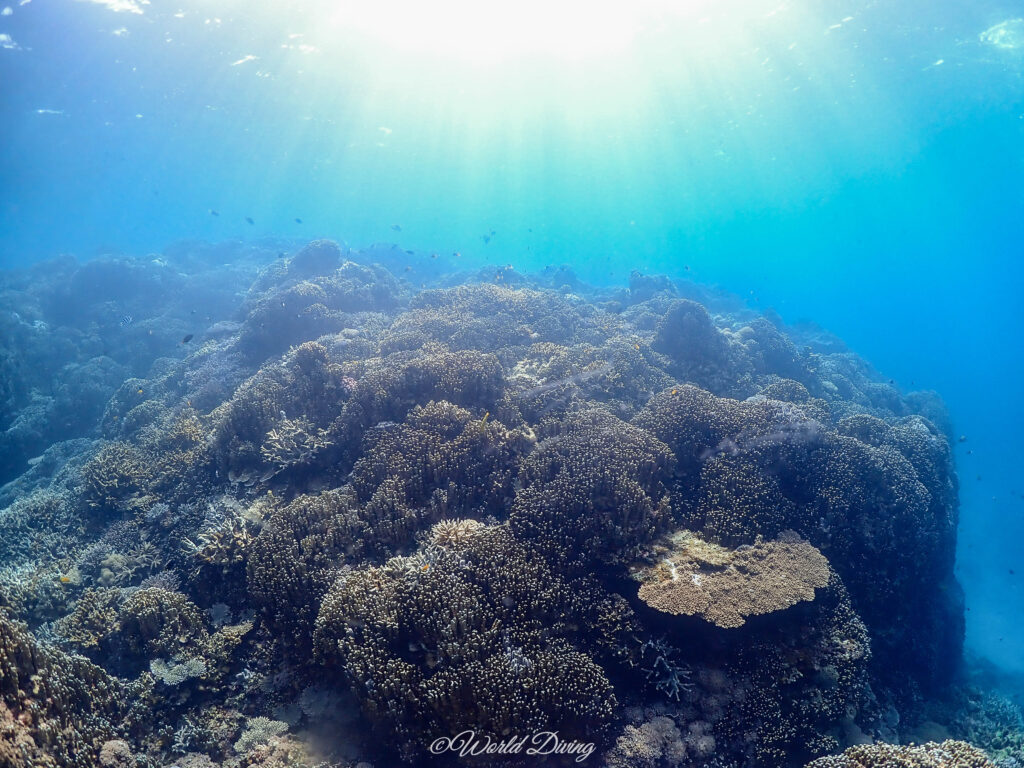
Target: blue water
x: 859, y: 164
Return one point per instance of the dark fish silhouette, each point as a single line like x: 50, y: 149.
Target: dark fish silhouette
x: 213, y: 212
x: 188, y: 338
x: 249, y: 219
x: 396, y: 227
x: 298, y: 221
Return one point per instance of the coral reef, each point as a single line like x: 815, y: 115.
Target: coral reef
x: 253, y: 529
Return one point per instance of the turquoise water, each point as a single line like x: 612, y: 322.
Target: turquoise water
x: 857, y: 164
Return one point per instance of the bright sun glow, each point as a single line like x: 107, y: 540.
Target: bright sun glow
x: 489, y: 30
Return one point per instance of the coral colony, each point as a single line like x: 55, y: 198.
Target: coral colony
x: 359, y: 522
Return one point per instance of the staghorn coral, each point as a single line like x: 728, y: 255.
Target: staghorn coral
x: 174, y: 673
x: 293, y: 442
x: 155, y: 622
x: 947, y: 754
x: 770, y: 352
x: 985, y: 718
x: 225, y: 541
x: 452, y: 533
x: 143, y: 623
x: 114, y: 477
x: 723, y: 586
x: 89, y: 626
x: 259, y: 731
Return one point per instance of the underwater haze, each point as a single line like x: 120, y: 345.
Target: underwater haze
x: 822, y: 182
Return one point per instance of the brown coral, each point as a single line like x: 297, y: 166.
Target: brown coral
x: 695, y: 577
x: 948, y: 754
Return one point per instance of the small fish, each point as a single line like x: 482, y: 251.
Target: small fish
x: 408, y: 268
x: 214, y: 213
x: 188, y: 338
x: 396, y: 227
x: 298, y: 220
x: 457, y: 255
x: 139, y: 391
x: 249, y: 220
x: 963, y: 438
x: 411, y: 253
x: 126, y: 320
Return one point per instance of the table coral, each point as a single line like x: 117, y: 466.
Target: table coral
x: 723, y: 586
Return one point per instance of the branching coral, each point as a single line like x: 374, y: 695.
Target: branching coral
x: 43, y: 695
x: 474, y: 634
x: 224, y: 544
x: 594, y: 490
x: 292, y: 442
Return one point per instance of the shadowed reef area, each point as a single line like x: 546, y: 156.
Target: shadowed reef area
x: 280, y: 505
